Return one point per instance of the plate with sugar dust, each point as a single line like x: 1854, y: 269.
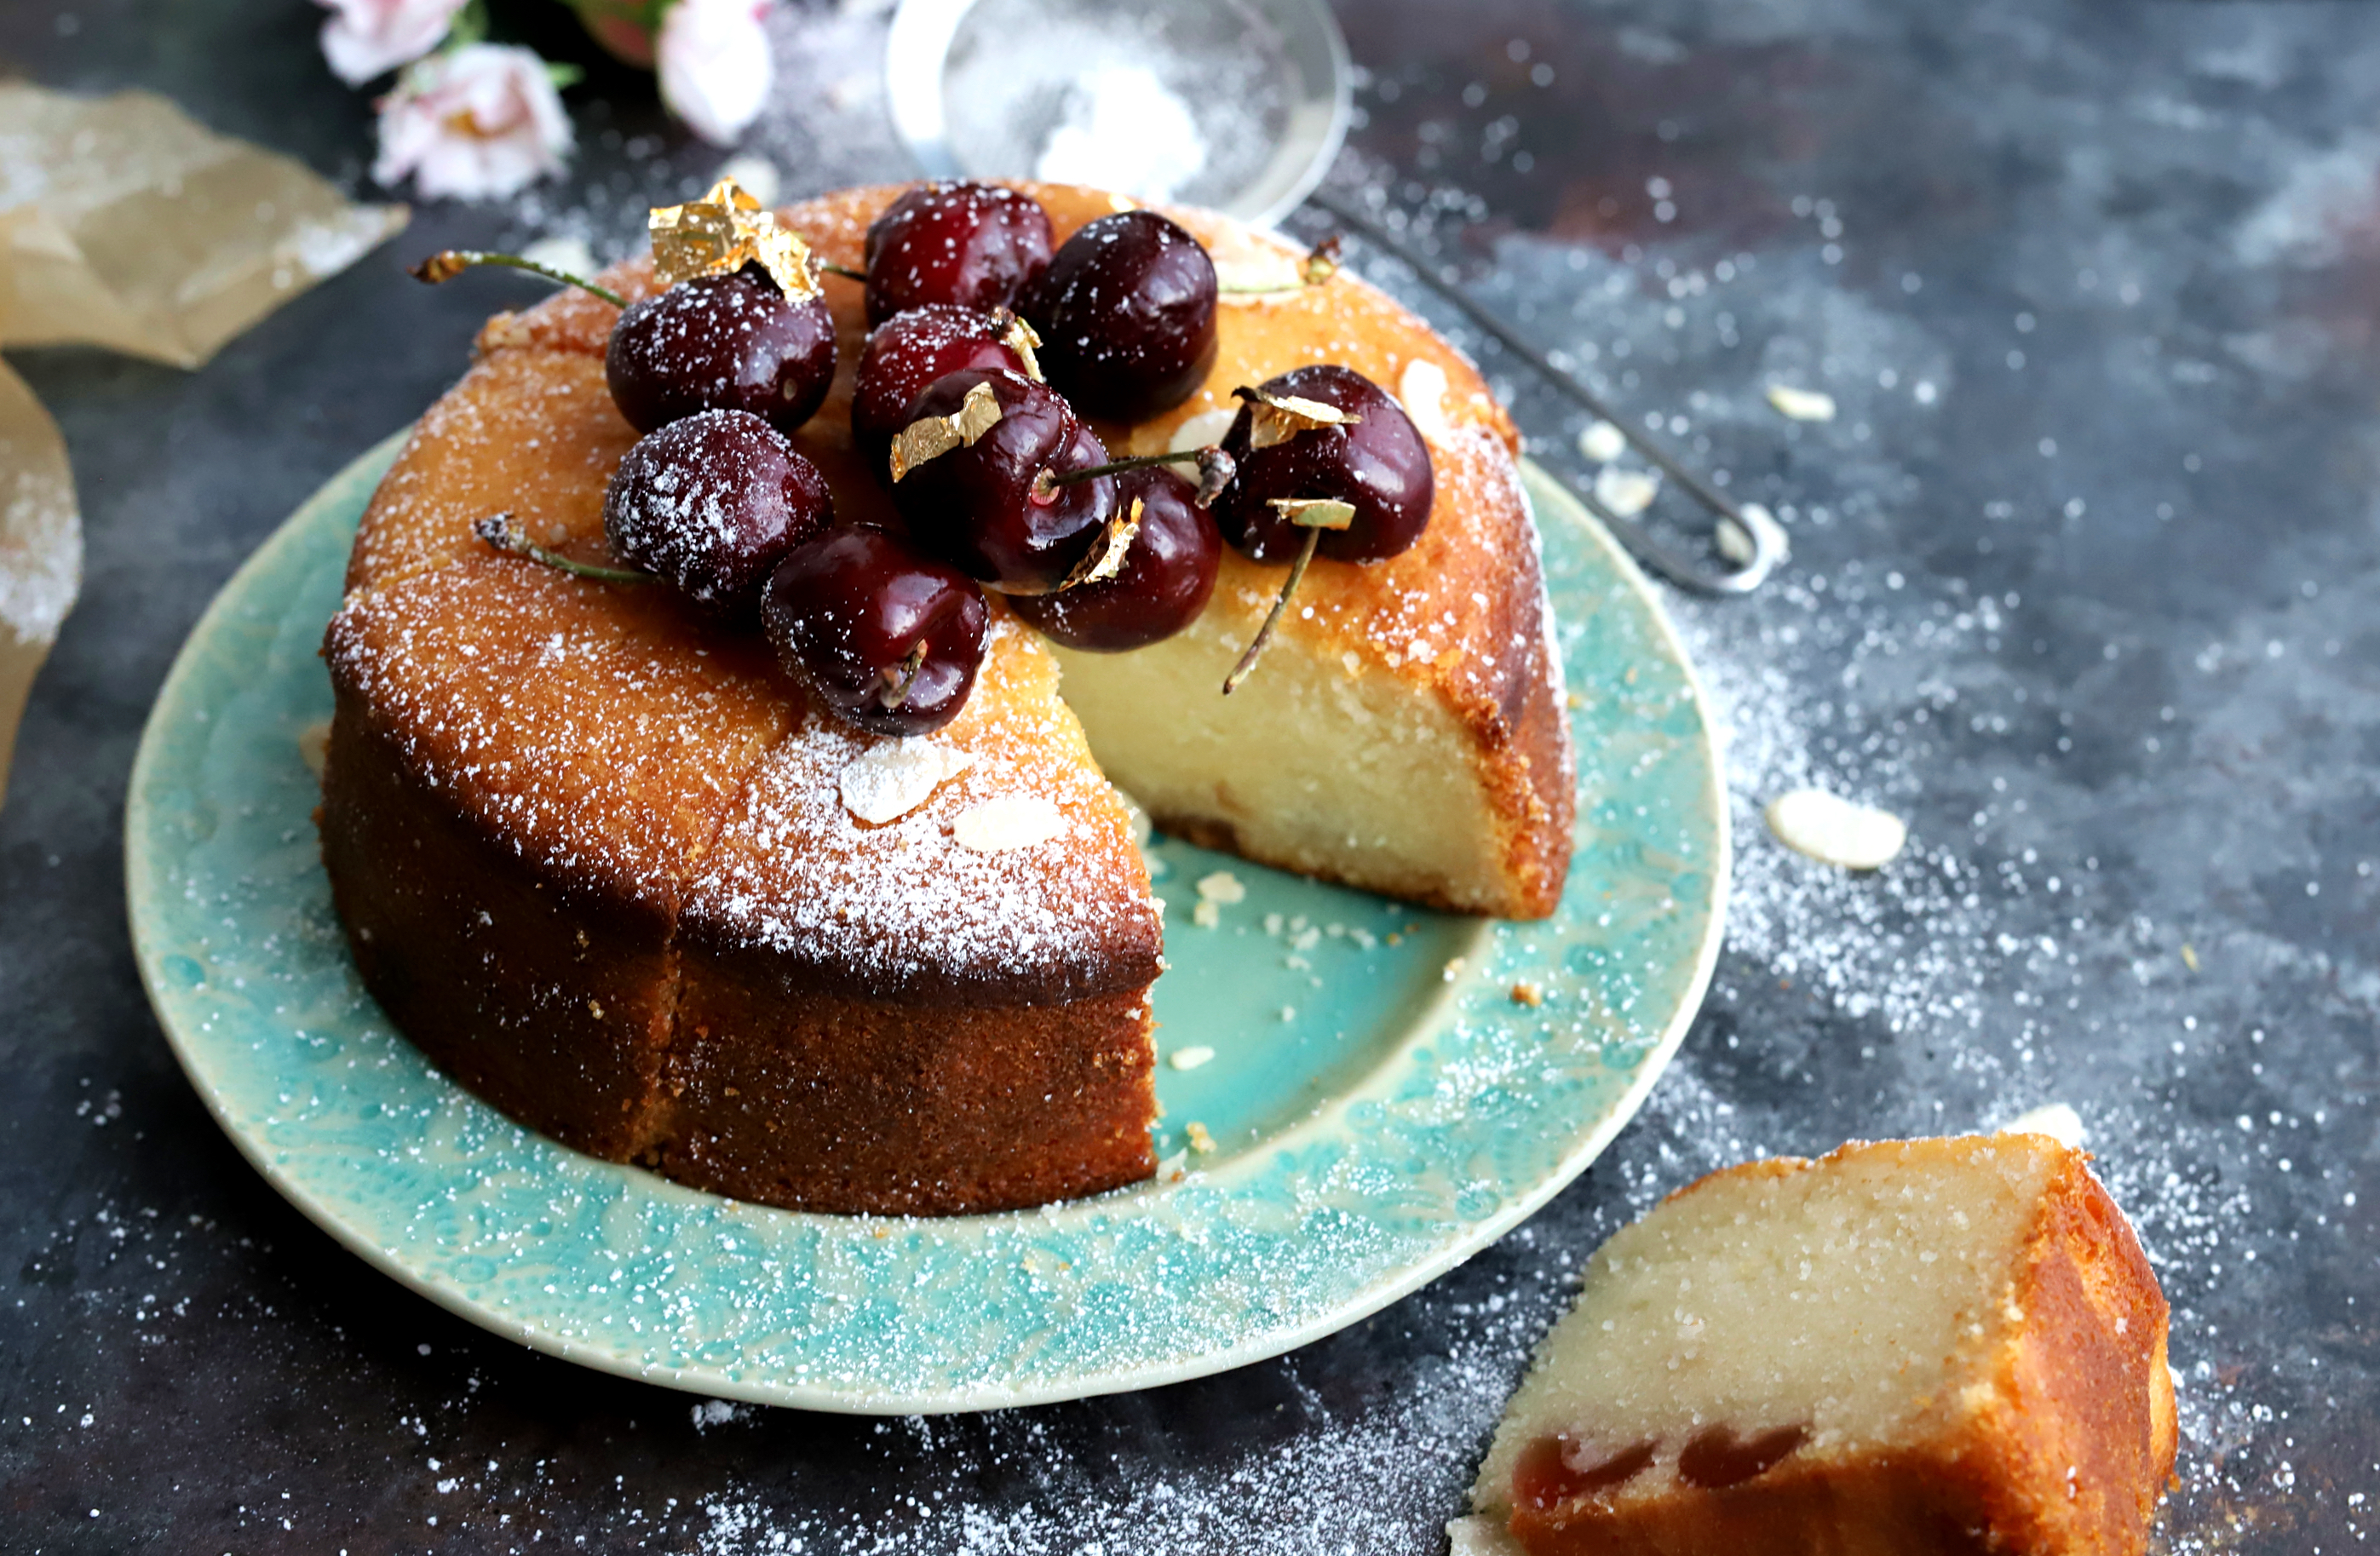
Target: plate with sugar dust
x: 1358, y: 1094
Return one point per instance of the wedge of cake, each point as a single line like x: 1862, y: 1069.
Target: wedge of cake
x: 1917, y: 1346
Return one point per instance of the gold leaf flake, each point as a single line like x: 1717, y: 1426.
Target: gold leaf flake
x: 1278, y: 417
x: 1315, y: 513
x: 722, y: 232
x: 1108, y: 561
x: 1019, y: 337
x: 929, y: 437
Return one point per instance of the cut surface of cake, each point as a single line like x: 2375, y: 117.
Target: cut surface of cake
x: 616, y: 870
x: 1907, y: 1346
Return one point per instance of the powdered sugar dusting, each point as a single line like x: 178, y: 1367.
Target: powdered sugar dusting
x: 908, y: 905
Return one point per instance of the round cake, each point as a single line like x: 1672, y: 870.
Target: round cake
x: 622, y: 876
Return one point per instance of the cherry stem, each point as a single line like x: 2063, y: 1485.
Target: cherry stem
x: 448, y: 263
x: 1215, y: 471
x: 1264, y: 634
x: 896, y: 692
x: 503, y: 531
x: 845, y: 271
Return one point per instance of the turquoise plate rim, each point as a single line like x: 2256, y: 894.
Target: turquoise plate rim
x: 1335, y: 1162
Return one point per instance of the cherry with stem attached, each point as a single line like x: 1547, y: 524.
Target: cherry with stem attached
x: 1327, y: 464
x: 887, y: 637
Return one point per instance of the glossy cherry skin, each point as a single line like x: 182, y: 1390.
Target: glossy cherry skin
x: 1379, y: 464
x: 981, y: 507
x: 906, y: 354
x: 1168, y: 574
x: 847, y: 608
x: 1126, y: 315
x: 712, y: 502
x: 721, y: 342
x: 975, y: 245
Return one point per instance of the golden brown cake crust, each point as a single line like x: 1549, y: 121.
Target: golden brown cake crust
x: 2065, y: 1454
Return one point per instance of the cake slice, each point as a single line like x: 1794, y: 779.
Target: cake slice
x: 1908, y: 1346
x: 939, y: 1011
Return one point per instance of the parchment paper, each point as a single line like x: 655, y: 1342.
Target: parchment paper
x: 126, y: 225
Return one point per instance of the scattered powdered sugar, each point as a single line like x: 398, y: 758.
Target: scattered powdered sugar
x: 1124, y: 128
x: 2056, y: 1120
x: 911, y: 903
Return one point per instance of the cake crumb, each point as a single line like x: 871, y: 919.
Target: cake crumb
x: 1289, y: 1012
x: 1453, y: 969
x: 1223, y: 886
x: 1190, y: 1058
x: 2189, y: 956
x: 1200, y: 1141
x: 1526, y: 993
x: 314, y: 746
x: 1206, y: 916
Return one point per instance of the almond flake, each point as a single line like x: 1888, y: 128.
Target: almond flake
x: 1007, y: 821
x: 1836, y: 832
x: 1422, y: 389
x: 1198, y: 431
x: 1801, y: 405
x: 1626, y: 492
x: 1602, y: 442
x: 891, y: 778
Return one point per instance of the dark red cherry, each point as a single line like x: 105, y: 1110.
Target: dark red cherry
x: 712, y: 502
x: 889, y: 637
x: 985, y: 506
x: 1126, y: 313
x: 1378, y: 463
x: 975, y: 245
x: 1168, y: 572
x: 722, y: 343
x: 909, y: 351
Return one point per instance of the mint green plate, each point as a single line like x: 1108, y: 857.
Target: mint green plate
x: 1381, y: 1101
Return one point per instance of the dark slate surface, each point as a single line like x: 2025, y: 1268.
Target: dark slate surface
x: 2085, y: 586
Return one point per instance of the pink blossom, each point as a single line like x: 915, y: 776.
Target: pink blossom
x: 368, y: 38
x: 477, y: 122
x: 713, y: 58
